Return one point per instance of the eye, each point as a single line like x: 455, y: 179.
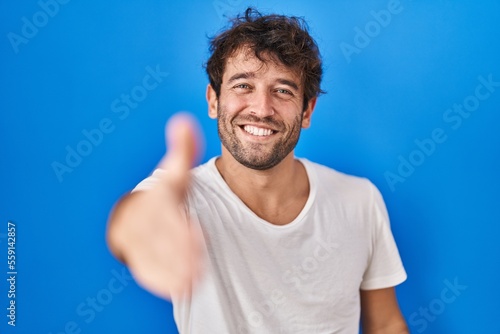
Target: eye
x: 242, y: 86
x: 284, y: 91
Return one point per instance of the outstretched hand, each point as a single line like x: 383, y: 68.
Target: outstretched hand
x: 149, y: 229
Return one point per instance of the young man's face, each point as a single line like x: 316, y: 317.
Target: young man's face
x: 259, y: 111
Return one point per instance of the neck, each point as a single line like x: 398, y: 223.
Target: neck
x: 277, y: 194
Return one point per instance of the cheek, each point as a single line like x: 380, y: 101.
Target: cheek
x: 235, y: 102
x: 294, y: 118
x: 232, y: 105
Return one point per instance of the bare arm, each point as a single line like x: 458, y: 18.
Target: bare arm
x: 380, y: 312
x: 146, y: 229
x: 114, y: 227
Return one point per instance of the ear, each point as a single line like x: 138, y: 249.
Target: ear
x: 306, y: 119
x: 212, y: 102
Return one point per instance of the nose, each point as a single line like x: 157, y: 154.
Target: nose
x: 261, y: 104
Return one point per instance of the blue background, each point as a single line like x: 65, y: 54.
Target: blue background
x: 394, y: 90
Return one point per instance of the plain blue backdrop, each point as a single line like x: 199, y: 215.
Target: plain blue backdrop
x: 413, y: 104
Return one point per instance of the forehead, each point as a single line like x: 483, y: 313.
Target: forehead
x: 244, y: 60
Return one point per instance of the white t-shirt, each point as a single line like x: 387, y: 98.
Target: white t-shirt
x: 303, y: 277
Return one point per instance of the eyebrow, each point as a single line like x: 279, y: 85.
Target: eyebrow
x: 248, y: 75
x: 289, y: 83
x: 244, y: 75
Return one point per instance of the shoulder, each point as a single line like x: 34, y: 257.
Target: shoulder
x: 200, y: 175
x: 204, y: 174
x: 203, y: 169
x: 333, y: 182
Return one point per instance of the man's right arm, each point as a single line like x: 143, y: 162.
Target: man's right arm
x: 113, y: 231
x: 146, y: 230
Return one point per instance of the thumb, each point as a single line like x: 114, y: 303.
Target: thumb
x: 184, y: 143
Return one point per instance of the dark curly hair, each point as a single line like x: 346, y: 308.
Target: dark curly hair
x: 285, y: 38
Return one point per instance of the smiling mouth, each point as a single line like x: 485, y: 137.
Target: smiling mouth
x: 257, y: 131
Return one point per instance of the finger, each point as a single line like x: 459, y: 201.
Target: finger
x: 169, y: 267
x: 183, y: 137
x: 186, y: 267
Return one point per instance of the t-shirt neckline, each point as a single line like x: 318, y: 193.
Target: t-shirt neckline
x: 296, y: 221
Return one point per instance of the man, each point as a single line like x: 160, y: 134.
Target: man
x: 257, y: 241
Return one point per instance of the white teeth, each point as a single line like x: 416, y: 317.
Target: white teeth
x: 257, y: 131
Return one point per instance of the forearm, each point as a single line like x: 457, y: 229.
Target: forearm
x: 114, y: 230
x: 380, y: 313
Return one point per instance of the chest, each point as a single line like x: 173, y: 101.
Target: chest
x: 304, y: 275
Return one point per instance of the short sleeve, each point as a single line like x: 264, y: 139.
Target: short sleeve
x: 150, y: 181
x: 385, y: 268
